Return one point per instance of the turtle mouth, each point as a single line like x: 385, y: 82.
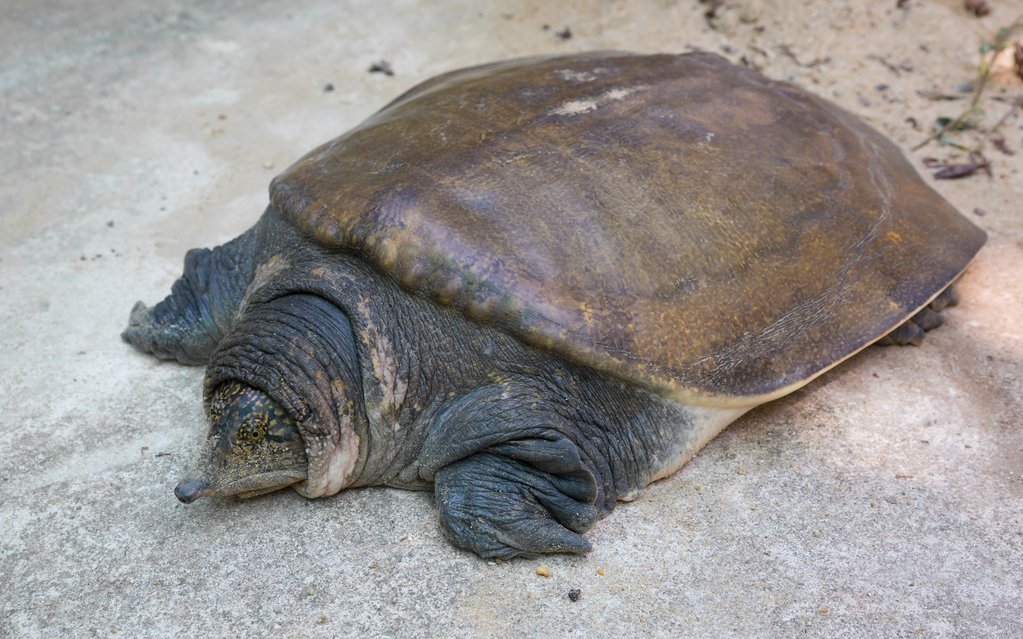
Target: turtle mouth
x: 261, y: 484
x: 190, y: 489
x: 248, y: 494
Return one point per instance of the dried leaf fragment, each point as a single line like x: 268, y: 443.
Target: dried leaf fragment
x: 960, y: 170
x: 1001, y: 145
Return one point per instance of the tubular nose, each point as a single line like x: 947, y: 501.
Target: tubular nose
x: 188, y: 490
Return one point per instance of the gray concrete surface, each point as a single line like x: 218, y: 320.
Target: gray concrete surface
x: 884, y: 500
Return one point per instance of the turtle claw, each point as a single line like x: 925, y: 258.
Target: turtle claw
x: 499, y: 508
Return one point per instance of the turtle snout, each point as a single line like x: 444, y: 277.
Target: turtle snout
x: 188, y: 490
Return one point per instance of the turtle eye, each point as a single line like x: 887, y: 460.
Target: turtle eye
x: 252, y: 431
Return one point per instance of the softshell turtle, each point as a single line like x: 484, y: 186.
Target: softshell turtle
x: 537, y: 286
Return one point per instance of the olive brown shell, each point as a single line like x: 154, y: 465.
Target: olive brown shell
x: 683, y: 223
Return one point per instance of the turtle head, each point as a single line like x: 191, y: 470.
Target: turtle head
x: 254, y: 447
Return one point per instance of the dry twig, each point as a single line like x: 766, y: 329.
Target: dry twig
x: 983, y: 73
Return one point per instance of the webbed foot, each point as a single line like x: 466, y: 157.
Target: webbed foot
x: 201, y: 308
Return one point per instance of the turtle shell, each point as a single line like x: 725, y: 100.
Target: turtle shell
x: 675, y: 220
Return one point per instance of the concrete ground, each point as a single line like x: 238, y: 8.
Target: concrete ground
x: 883, y: 500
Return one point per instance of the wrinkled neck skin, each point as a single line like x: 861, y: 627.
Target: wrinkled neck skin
x: 359, y: 364
x: 370, y: 373
x: 298, y: 349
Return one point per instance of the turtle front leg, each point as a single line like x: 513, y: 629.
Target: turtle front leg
x: 497, y: 506
x: 202, y: 306
x: 913, y: 330
x: 509, y: 478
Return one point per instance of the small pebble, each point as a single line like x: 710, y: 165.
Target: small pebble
x: 327, y: 88
x: 574, y: 594
x: 979, y: 8
x: 543, y: 571
x: 382, y: 67
x: 600, y: 571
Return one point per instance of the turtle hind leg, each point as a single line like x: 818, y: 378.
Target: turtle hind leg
x: 946, y: 298
x: 913, y: 330
x: 189, y: 323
